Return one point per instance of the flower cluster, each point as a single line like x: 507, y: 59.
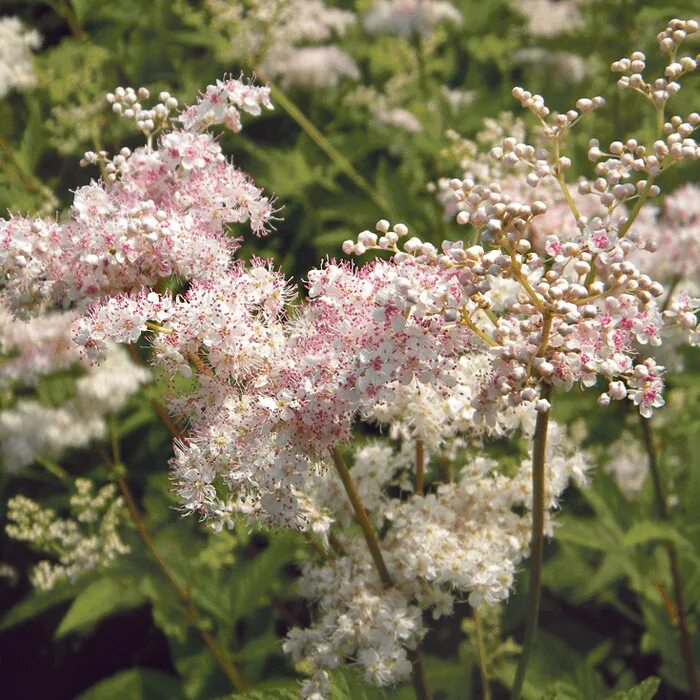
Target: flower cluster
x: 444, y: 347
x: 86, y: 541
x: 276, y: 391
x: 158, y: 212
x: 546, y: 18
x: 16, y: 46
x: 628, y: 465
x: 409, y: 18
x: 466, y: 537
x: 30, y: 429
x: 34, y: 348
x: 283, y: 39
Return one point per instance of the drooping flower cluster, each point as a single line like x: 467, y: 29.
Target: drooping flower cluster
x: 16, y: 46
x: 87, y: 540
x: 286, y: 40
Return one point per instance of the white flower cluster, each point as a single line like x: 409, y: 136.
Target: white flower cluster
x: 464, y: 538
x: 16, y: 46
x: 287, y: 40
x: 86, y: 541
x: 29, y: 428
x: 546, y: 18
x: 384, y: 108
x: 628, y: 464
x: 36, y: 347
x: 409, y: 18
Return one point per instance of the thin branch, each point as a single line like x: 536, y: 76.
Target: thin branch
x: 226, y: 665
x: 679, y: 595
x: 539, y: 449
x: 420, y: 467
x: 420, y: 683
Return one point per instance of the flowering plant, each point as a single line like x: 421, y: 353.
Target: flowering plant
x: 393, y: 415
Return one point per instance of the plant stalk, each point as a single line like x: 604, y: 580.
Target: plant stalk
x: 539, y: 449
x: 420, y: 467
x: 679, y: 595
x: 483, y: 668
x: 226, y: 665
x: 326, y: 146
x: 419, y: 679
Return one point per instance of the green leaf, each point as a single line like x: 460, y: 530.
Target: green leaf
x: 135, y: 684
x: 100, y: 599
x: 281, y: 690
x: 646, y: 690
x: 35, y: 604
x: 650, y: 531
x: 345, y: 686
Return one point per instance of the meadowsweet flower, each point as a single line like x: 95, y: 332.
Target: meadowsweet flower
x: 467, y: 537
x: 547, y: 18
x: 287, y: 40
x: 409, y: 18
x: 158, y: 212
x: 16, y: 46
x: 628, y: 464
x: 29, y: 428
x: 88, y: 540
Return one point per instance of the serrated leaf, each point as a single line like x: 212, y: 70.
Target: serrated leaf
x: 646, y: 690
x: 135, y: 684
x: 100, y: 599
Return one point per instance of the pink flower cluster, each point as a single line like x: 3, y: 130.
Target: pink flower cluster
x: 160, y: 212
x: 276, y: 390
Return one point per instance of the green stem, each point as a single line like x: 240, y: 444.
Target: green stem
x: 420, y: 467
x: 539, y: 449
x: 483, y: 668
x: 226, y: 665
x: 362, y: 519
x: 420, y: 683
x: 662, y: 508
x: 326, y: 146
x: 66, y: 11
x: 52, y: 467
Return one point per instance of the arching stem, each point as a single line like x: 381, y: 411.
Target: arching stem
x: 326, y: 146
